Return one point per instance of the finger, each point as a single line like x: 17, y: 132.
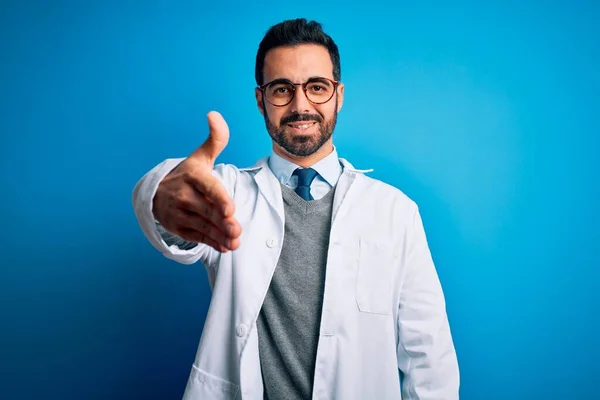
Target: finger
x: 194, y: 222
x: 214, y: 191
x: 218, y: 137
x: 206, y: 209
x: 233, y: 228
x: 197, y: 237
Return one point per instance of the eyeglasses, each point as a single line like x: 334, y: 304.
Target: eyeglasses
x: 281, y: 92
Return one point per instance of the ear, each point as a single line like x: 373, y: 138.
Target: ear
x: 259, y: 100
x: 340, y: 95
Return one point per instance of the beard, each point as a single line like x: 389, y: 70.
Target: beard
x: 305, y: 145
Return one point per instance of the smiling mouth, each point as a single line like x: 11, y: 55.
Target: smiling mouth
x: 302, y: 126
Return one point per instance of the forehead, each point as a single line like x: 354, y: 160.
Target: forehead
x: 297, y: 63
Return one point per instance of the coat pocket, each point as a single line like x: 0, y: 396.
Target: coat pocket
x: 202, y: 385
x: 374, y: 278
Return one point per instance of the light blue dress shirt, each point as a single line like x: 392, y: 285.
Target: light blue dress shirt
x: 329, y: 170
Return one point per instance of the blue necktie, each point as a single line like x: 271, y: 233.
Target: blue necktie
x: 305, y: 178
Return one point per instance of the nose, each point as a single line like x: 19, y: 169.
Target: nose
x: 300, y: 103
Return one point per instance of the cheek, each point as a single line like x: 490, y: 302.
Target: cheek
x: 327, y: 110
x: 275, y: 114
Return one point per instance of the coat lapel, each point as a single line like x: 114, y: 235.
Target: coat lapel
x: 346, y: 181
x: 268, y: 186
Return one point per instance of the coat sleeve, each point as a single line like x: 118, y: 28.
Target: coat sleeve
x: 176, y: 249
x: 426, y: 353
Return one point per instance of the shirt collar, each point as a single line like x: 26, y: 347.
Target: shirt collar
x: 329, y: 168
x: 264, y: 163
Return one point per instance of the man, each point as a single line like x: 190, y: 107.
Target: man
x: 322, y: 282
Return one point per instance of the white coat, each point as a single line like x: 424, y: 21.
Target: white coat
x: 383, y: 306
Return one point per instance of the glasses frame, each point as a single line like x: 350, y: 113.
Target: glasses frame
x: 303, y: 85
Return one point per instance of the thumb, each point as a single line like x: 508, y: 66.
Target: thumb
x: 218, y: 137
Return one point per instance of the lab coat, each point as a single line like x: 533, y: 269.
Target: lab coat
x: 383, y: 305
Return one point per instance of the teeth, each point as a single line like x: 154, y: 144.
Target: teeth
x: 303, y: 126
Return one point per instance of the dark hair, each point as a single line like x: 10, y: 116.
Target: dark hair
x: 294, y: 32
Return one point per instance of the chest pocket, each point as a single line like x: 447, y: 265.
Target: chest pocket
x: 375, y: 278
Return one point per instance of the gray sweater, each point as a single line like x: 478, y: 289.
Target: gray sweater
x: 289, y: 321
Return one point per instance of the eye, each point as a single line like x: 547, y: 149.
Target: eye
x: 280, y: 89
x: 318, y: 87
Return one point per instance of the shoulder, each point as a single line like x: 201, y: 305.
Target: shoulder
x: 386, y: 211
x: 232, y: 172
x: 376, y: 187
x: 233, y: 176
x: 378, y: 191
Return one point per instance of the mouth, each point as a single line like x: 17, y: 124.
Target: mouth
x: 302, y: 127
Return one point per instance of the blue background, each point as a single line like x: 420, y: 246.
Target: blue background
x: 486, y: 116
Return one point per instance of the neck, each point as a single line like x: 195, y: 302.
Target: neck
x: 307, y: 161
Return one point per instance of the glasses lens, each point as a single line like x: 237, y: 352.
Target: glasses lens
x: 279, y: 94
x: 319, y: 91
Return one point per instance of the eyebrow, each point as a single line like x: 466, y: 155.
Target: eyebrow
x: 279, y: 80
x: 316, y: 78
x: 286, y: 80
